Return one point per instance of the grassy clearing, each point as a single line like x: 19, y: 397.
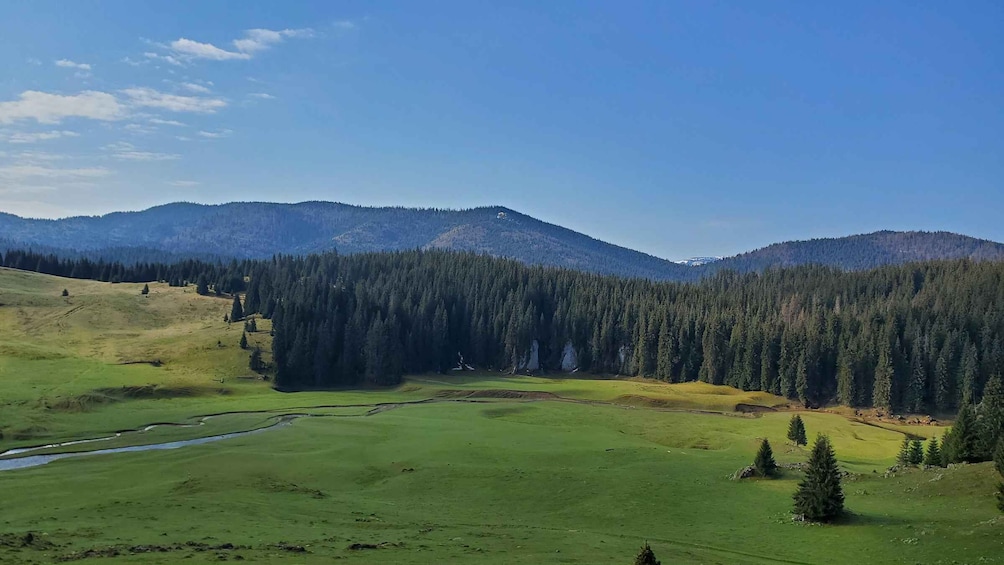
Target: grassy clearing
x: 495, y: 469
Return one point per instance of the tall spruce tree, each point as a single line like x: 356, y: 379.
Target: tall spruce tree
x: 962, y: 442
x: 646, y: 556
x: 764, y: 462
x: 146, y: 290
x: 884, y: 374
x: 991, y: 416
x: 903, y: 457
x: 796, y: 430
x: 916, y: 452
x: 202, y: 286
x: 244, y: 341
x: 933, y: 456
x: 820, y: 496
x: 236, y: 311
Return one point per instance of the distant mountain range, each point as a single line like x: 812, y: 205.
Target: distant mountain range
x: 256, y: 229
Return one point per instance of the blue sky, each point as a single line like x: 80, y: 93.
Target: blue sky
x: 676, y: 128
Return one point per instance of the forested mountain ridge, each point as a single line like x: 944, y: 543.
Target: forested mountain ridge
x: 865, y: 251
x: 258, y: 230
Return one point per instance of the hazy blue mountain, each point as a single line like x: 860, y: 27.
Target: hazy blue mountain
x: 865, y: 251
x: 257, y: 229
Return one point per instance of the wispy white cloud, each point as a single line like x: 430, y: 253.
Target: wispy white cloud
x: 36, y: 156
x: 344, y: 24
x: 139, y: 128
x: 66, y: 63
x: 33, y: 61
x: 190, y: 49
x: 33, y: 171
x: 150, y: 98
x: 191, y: 86
x: 46, y: 108
x: 166, y: 58
x: 34, y: 137
x: 261, y: 96
x: 260, y: 39
x: 183, y: 183
x: 160, y: 122
x: 145, y: 156
x: 125, y: 151
x: 215, y: 134
x: 183, y: 49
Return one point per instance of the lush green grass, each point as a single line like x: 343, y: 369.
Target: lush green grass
x: 579, y: 471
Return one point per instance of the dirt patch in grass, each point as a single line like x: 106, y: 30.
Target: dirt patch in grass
x: 648, y: 402
x: 499, y: 393
x: 753, y: 408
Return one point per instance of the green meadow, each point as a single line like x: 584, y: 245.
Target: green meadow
x: 471, y: 468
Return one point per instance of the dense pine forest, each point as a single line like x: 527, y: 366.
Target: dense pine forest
x: 922, y: 337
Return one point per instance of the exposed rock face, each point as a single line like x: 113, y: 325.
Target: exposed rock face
x: 744, y: 473
x: 624, y: 358
x: 532, y: 360
x: 569, y: 358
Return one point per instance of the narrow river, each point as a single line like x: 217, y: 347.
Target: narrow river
x: 37, y: 460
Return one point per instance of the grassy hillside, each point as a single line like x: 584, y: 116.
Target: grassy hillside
x: 457, y: 468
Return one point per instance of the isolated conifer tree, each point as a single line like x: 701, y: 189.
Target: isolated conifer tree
x: 146, y: 289
x: 255, y: 363
x: 820, y: 496
x: 202, y: 286
x: 962, y: 442
x: 796, y: 430
x: 764, y: 462
x: 903, y: 458
x: 244, y: 341
x: 66, y: 292
x: 236, y: 312
x: 646, y: 556
x: 933, y: 455
x: 916, y: 452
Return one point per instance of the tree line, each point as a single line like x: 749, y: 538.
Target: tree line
x: 922, y: 337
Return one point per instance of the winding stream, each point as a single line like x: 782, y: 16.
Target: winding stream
x: 37, y: 460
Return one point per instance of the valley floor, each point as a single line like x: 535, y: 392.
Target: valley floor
x: 456, y: 468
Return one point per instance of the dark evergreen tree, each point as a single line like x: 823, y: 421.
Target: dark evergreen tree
x: 146, y: 290
x: 202, y: 286
x: 916, y: 456
x: 796, y: 430
x: 66, y: 292
x: 764, y: 462
x: 646, y: 556
x: 962, y: 443
x: 884, y: 374
x: 991, y: 416
x: 820, y: 496
x: 903, y: 458
x: 255, y: 362
x: 236, y: 311
x: 933, y: 456
x: 244, y: 341
x: 999, y: 457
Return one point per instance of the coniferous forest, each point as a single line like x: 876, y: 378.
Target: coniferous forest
x: 922, y: 337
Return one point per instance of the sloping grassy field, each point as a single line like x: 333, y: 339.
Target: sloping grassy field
x: 456, y: 468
